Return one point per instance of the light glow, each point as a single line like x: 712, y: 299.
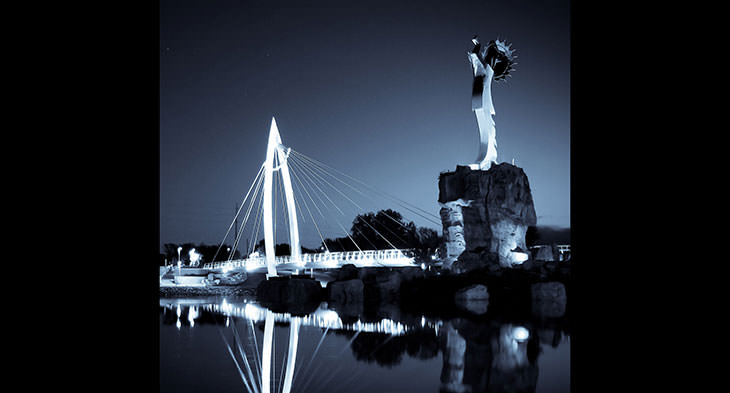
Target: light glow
x: 520, y: 333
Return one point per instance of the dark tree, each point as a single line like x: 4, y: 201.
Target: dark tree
x: 383, y: 230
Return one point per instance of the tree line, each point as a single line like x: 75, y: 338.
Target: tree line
x: 385, y: 229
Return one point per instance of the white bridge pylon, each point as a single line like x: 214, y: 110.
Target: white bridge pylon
x: 275, y: 147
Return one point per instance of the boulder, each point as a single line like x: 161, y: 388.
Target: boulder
x: 385, y: 286
x: 485, y: 210
x: 544, y: 253
x: 549, y: 299
x: 236, y: 278
x: 470, y: 261
x: 411, y: 273
x: 472, y: 292
x: 285, y: 291
x: 367, y: 274
x: 348, y: 291
x: 474, y: 299
x: 346, y: 272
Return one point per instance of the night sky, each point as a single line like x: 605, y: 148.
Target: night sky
x: 379, y: 91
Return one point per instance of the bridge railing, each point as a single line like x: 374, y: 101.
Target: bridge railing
x: 327, y: 258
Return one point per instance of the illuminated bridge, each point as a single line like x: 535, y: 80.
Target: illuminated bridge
x: 315, y: 182
x: 325, y: 260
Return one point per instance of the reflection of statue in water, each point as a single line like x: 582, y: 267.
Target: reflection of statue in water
x: 479, y: 357
x: 491, y: 62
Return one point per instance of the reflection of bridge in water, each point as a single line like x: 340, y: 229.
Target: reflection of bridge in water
x: 258, y: 378
x: 477, y: 355
x: 322, y: 317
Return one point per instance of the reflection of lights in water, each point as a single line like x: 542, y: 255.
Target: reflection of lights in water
x: 510, y: 351
x: 423, y: 266
x: 228, y: 320
x: 322, y: 318
x: 192, y: 314
x: 520, y: 333
x: 423, y: 321
x: 178, y: 311
x: 253, y: 312
x: 178, y: 324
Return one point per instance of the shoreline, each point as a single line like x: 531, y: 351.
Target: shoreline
x: 184, y: 291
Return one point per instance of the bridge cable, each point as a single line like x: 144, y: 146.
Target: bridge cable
x: 238, y: 212
x: 367, y: 223
x: 312, y: 167
x: 245, y: 220
x: 257, y: 223
x: 309, y: 211
x: 347, y: 233
x: 321, y: 164
x: 433, y: 218
x: 345, y: 230
x: 381, y: 211
x: 248, y: 215
x: 360, y: 207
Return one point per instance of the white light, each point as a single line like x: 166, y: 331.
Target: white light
x: 519, y: 257
x: 520, y: 333
x: 194, y: 257
x: 423, y: 266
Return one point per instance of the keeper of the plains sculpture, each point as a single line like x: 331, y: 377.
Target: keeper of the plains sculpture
x: 486, y: 207
x: 493, y: 61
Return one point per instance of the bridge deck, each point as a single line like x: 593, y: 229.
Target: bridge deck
x: 326, y: 260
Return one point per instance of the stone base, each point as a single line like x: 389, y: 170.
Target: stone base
x: 485, y: 212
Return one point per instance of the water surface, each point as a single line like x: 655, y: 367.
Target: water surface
x: 217, y: 344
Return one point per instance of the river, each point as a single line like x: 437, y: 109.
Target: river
x: 216, y: 344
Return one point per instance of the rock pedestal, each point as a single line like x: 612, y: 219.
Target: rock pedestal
x: 485, y: 216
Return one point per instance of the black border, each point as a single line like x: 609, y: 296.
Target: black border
x: 118, y: 61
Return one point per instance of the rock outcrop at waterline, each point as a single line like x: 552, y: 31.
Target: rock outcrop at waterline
x: 485, y: 216
x: 297, y: 295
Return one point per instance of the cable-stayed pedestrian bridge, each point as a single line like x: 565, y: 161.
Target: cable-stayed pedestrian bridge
x: 374, y: 240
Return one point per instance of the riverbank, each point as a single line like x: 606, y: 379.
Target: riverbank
x: 183, y: 291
